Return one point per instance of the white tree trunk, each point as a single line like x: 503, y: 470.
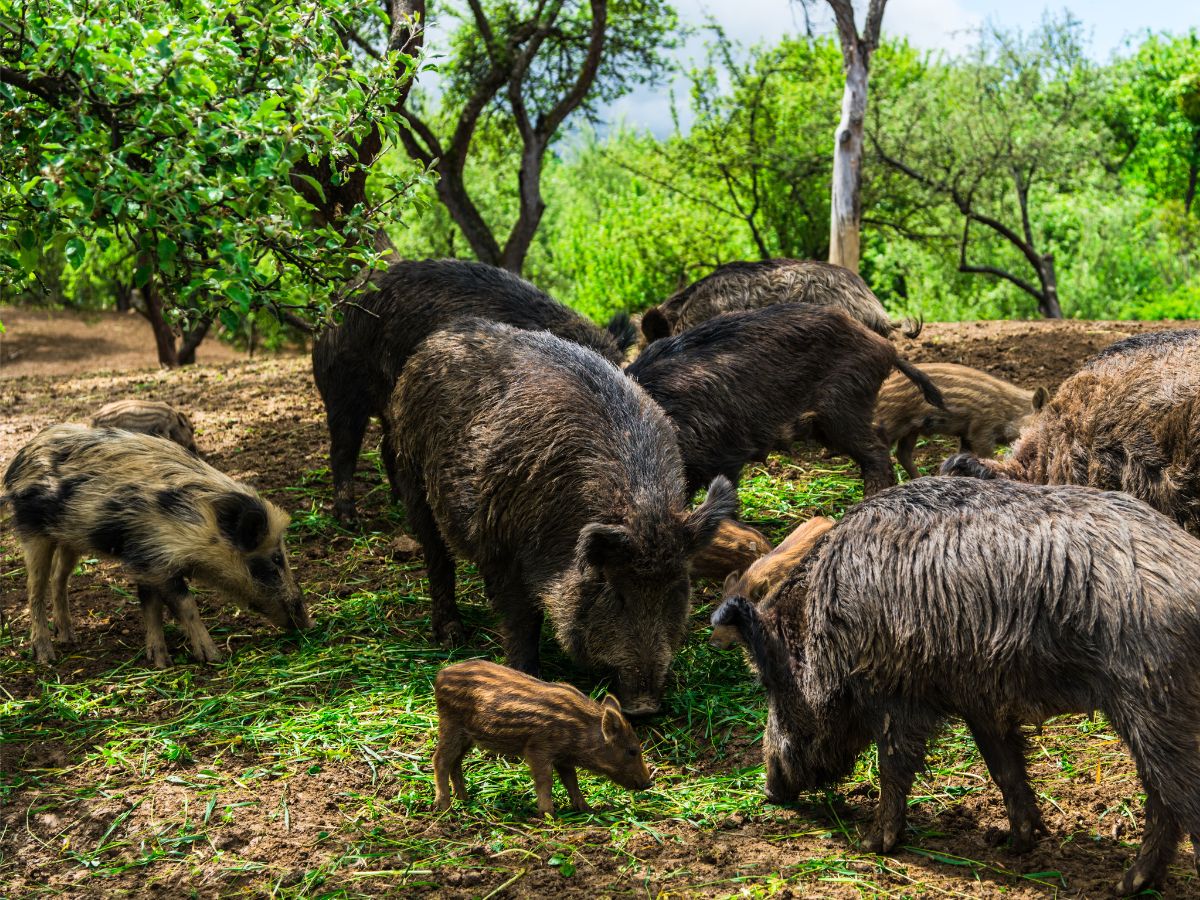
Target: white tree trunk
x: 846, y: 203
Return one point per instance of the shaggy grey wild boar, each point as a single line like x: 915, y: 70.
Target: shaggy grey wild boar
x: 553, y: 727
x: 1004, y: 604
x: 981, y: 411
x: 148, y: 417
x: 356, y: 364
x: 562, y: 481
x: 161, y: 512
x: 746, y: 383
x: 752, y: 285
x: 1128, y: 420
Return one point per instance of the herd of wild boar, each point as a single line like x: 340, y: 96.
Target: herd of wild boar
x: 1063, y: 577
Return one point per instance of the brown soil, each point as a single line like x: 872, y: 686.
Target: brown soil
x: 261, y: 421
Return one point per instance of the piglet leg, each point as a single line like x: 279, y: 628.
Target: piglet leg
x: 183, y: 607
x: 152, y: 615
x: 64, y: 565
x: 39, y: 559
x: 543, y: 782
x: 566, y: 774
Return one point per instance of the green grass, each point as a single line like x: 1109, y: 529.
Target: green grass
x: 346, y: 715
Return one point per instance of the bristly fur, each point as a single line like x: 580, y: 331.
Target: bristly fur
x: 562, y: 481
x: 148, y: 417
x: 1128, y: 420
x: 620, y: 326
x: 161, y: 512
x: 1004, y: 604
x: 356, y: 364
x: 752, y: 285
x: 743, y: 384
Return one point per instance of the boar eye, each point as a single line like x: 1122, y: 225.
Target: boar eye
x: 631, y: 752
x: 277, y: 559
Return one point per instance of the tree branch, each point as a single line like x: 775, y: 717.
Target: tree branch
x: 1021, y: 283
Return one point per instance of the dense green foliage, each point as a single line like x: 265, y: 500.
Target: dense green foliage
x: 158, y: 143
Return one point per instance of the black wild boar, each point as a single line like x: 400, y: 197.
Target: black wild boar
x: 746, y: 383
x: 357, y: 363
x: 553, y: 727
x: 148, y: 417
x: 1128, y: 420
x: 535, y: 458
x: 1000, y: 602
x: 981, y: 411
x: 161, y: 512
x: 752, y: 285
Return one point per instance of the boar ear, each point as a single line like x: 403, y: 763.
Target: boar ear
x: 742, y: 615
x: 1040, y: 396
x: 731, y: 581
x: 242, y: 520
x: 721, y: 503
x: 655, y: 325
x: 612, y: 722
x: 967, y: 466
x: 600, y: 544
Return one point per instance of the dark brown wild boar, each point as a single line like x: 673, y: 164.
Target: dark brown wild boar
x: 999, y: 603
x: 148, y: 417
x: 356, y: 364
x: 744, y: 384
x: 767, y: 572
x: 536, y: 459
x: 1129, y: 420
x: 553, y: 727
x: 981, y: 411
x: 739, y: 286
x: 165, y: 515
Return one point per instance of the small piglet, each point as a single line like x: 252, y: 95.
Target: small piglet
x: 981, y: 411
x: 554, y: 727
x: 148, y: 417
x: 735, y: 545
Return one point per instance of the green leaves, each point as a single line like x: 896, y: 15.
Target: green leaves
x: 180, y: 155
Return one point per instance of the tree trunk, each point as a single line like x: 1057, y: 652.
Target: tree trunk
x: 192, y: 339
x: 1048, y: 302
x: 453, y: 194
x: 164, y: 340
x: 845, y: 202
x: 516, y: 248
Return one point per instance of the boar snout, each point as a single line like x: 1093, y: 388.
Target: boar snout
x: 641, y: 706
x: 779, y: 790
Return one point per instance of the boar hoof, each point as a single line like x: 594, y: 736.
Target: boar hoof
x: 43, y: 652
x: 345, y: 513
x: 451, y: 633
x: 1135, y: 881
x: 65, y: 634
x: 880, y: 840
x: 158, y: 658
x: 210, y: 655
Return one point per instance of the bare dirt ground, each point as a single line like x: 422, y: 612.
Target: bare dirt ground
x: 261, y: 421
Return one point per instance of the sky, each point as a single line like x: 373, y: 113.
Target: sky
x: 944, y: 25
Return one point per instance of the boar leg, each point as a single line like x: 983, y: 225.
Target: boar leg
x: 982, y: 443
x: 522, y: 619
x: 152, y: 615
x: 853, y: 436
x: 64, y: 564
x: 904, y: 453
x: 901, y: 756
x: 39, y: 560
x: 566, y: 774
x: 439, y: 566
x: 543, y: 782
x: 388, y: 453
x: 346, y: 429
x: 183, y: 607
x: 1160, y: 841
x: 1004, y: 753
x: 453, y: 744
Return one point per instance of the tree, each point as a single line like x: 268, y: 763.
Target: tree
x: 171, y: 136
x: 1153, y: 114
x: 528, y: 66
x: 845, y: 202
x: 995, y: 135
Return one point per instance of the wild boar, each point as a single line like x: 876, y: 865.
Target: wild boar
x: 356, y: 364
x: 745, y: 383
x: 981, y: 411
x: 734, y: 546
x: 562, y: 481
x: 767, y: 572
x: 998, y: 602
x: 148, y: 417
x: 1128, y: 420
x: 553, y: 727
x: 740, y: 286
x: 159, y: 511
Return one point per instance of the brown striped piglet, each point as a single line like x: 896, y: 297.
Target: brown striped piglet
x: 148, y: 417
x: 554, y: 727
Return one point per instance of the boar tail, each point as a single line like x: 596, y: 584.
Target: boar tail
x: 909, y: 327
x: 928, y: 389
x: 621, y: 328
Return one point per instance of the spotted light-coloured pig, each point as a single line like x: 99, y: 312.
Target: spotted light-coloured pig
x: 148, y: 417
x: 164, y: 514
